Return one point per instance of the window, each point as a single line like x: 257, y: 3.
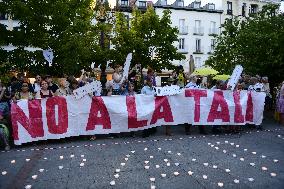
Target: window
x: 198, y: 45
x: 197, y: 23
x: 164, y: 2
x: 142, y: 3
x: 180, y: 3
x: 197, y: 62
x: 181, y: 23
x: 211, y: 6
x: 244, y: 9
x: 213, y: 28
x: 213, y: 43
x: 124, y: 2
x: 196, y: 5
x: 229, y: 8
x: 127, y: 19
x: 253, y: 9
x: 181, y: 43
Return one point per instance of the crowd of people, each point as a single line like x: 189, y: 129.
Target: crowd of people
x: 20, y: 88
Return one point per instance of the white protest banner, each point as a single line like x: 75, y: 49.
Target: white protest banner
x: 168, y: 90
x: 235, y: 77
x: 48, y: 55
x: 60, y: 117
x: 94, y: 86
x: 126, y: 67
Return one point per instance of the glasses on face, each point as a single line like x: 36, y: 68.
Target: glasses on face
x: 38, y: 77
x: 24, y: 85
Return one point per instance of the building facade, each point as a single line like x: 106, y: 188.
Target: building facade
x: 197, y: 27
x: 243, y: 8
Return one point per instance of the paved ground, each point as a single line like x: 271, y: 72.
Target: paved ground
x: 251, y: 159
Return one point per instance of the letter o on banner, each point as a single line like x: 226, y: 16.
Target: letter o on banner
x: 62, y: 125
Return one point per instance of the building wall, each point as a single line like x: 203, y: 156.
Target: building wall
x: 190, y: 38
x: 237, y: 6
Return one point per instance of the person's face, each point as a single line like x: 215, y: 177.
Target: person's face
x: 131, y: 88
x: 149, y: 83
x: 25, y: 87
x: 48, y: 80
x: 38, y: 79
x: 44, y: 85
x: 74, y: 85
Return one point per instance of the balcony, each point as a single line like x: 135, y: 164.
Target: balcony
x: 183, y: 30
x: 199, y: 50
x: 213, y: 31
x: 198, y: 31
x: 183, y: 51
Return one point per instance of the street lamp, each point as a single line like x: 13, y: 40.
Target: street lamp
x: 101, y: 18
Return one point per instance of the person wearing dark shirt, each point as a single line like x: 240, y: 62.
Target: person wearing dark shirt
x: 51, y: 86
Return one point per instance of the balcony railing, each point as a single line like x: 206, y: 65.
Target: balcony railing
x: 198, y: 31
x: 183, y: 51
x: 213, y: 31
x: 199, y: 50
x: 183, y: 30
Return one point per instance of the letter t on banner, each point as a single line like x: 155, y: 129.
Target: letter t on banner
x: 196, y: 94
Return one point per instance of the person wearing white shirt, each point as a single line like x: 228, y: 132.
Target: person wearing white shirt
x: 192, y: 84
x: 148, y: 89
x: 36, y: 84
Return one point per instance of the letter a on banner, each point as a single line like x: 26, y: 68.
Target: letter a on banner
x: 62, y: 125
x: 132, y: 114
x: 162, y: 103
x: 219, y: 100
x: 33, y: 124
x: 98, y: 106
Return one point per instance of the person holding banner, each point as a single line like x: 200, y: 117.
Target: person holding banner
x: 117, y: 77
x: 148, y: 90
x: 63, y: 89
x: 280, y: 104
x: 24, y: 93
x: 51, y: 86
x: 44, y: 92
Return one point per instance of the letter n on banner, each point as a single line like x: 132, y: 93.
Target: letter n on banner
x: 132, y: 114
x: 161, y: 102
x: 62, y: 125
x: 33, y: 124
x: 219, y: 100
x: 249, y: 111
x: 98, y: 106
x: 196, y: 94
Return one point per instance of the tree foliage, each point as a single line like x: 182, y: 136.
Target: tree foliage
x: 255, y: 42
x: 62, y: 25
x: 149, y: 37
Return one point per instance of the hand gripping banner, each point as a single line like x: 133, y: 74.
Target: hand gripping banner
x: 60, y: 117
